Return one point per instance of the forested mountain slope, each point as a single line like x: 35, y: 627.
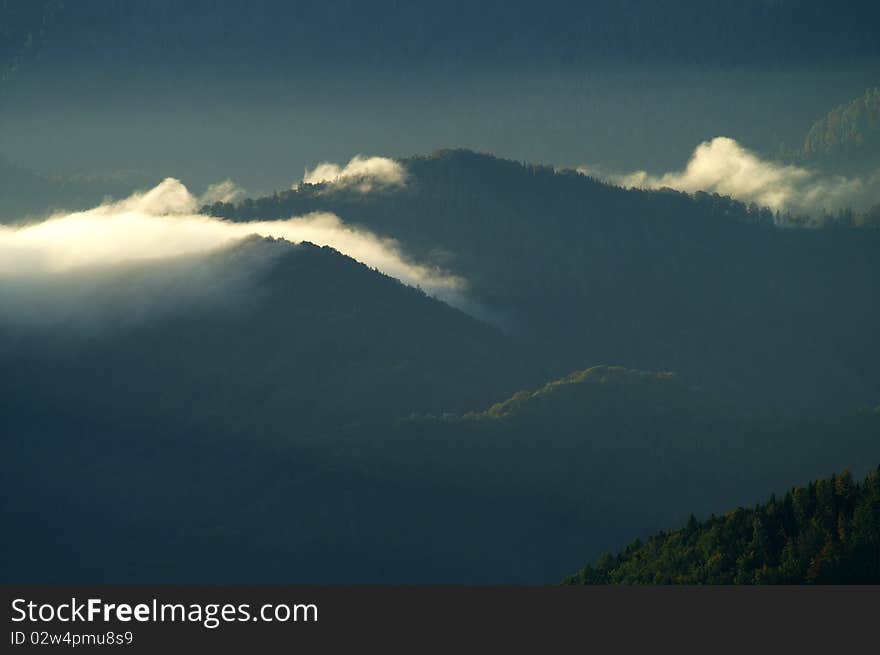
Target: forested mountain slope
x: 586, y: 273
x: 263, y: 334
x: 629, y: 451
x: 166, y: 421
x: 520, y: 492
x: 827, y: 532
x: 281, y: 413
x: 847, y: 139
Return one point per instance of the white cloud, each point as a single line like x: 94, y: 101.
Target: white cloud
x: 362, y: 173
x: 723, y: 166
x: 225, y: 191
x: 163, y: 222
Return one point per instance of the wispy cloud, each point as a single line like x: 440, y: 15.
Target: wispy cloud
x: 225, y: 191
x: 364, y: 174
x: 723, y: 166
x: 163, y: 223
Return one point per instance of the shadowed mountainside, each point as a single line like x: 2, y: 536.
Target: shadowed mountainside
x: 586, y: 273
x: 271, y: 333
x: 310, y: 420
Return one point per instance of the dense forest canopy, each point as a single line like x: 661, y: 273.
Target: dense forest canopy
x: 827, y: 532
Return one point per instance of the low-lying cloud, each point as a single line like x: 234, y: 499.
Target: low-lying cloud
x: 364, y: 174
x: 164, y: 223
x: 723, y: 166
x: 106, y: 298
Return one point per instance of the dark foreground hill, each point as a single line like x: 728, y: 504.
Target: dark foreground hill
x: 585, y: 273
x: 827, y: 532
x: 519, y: 492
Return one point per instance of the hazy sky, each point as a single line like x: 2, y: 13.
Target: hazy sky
x: 257, y: 92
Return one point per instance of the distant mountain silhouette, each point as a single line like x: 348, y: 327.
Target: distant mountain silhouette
x: 282, y: 413
x: 587, y: 273
x: 309, y: 419
x: 630, y: 449
x: 147, y: 471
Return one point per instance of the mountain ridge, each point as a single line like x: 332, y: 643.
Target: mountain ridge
x: 584, y: 272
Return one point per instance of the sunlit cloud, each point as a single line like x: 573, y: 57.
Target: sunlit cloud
x: 225, y: 191
x: 164, y: 222
x: 723, y: 166
x: 364, y: 174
